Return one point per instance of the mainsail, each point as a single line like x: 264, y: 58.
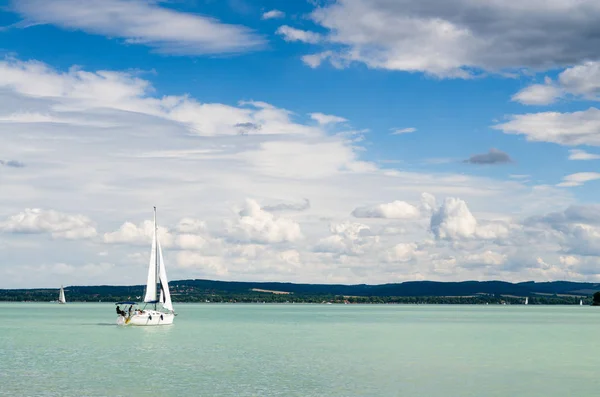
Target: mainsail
x: 157, y: 274
x: 151, y: 283
x: 61, y: 296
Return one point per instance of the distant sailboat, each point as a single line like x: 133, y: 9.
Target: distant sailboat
x: 580, y: 302
x: 157, y: 274
x: 526, y: 300
x: 61, y: 296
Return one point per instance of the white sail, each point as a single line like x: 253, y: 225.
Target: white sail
x: 165, y: 294
x: 61, y: 295
x: 151, y: 283
x: 526, y: 300
x: 156, y: 274
x: 580, y: 302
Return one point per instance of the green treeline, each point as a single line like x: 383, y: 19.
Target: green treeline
x: 221, y: 292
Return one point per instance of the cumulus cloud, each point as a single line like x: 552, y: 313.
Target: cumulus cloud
x: 347, y: 238
x: 293, y: 34
x: 395, y: 210
x: 579, y: 179
x: 273, y: 14
x: 58, y: 224
x: 457, y: 38
x: 494, y: 156
x: 256, y: 225
x: 454, y: 221
x: 428, y: 203
x: 199, y: 167
x: 486, y: 258
x: 577, y: 154
x: 141, y: 234
x: 144, y: 23
x: 577, y: 82
x: 402, y: 252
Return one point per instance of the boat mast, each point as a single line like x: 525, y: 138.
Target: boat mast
x: 155, y: 257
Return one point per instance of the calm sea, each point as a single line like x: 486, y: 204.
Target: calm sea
x: 302, y: 350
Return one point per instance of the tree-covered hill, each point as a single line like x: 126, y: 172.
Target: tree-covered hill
x: 407, y: 292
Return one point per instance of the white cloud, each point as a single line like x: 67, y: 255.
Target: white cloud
x: 579, y: 82
x: 124, y: 147
x: 144, y: 23
x: 78, y: 90
x: 258, y: 226
x: 450, y: 39
x: 293, y: 34
x: 402, y: 252
x: 273, y: 14
x: 538, y: 94
x: 487, y: 258
x: 326, y: 118
x: 403, y: 131
x: 348, y: 238
x: 577, y: 154
x: 454, y: 221
x: 190, y: 241
x: 576, y: 128
x: 141, y: 234
x: 579, y: 179
x: 315, y: 60
x: 58, y: 224
x: 582, y: 80
x: 351, y: 230
x: 395, y: 210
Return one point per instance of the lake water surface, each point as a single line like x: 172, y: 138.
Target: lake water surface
x: 302, y: 350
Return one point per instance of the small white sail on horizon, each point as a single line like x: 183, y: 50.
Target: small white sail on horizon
x: 156, y: 281
x: 61, y: 295
x: 580, y: 302
x: 526, y: 300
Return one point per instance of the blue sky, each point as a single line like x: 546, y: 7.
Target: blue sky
x: 521, y: 106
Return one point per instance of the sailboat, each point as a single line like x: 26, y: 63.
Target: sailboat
x: 580, y: 302
x: 61, y: 295
x: 526, y: 300
x: 157, y: 274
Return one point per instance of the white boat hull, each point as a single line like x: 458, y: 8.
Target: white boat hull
x: 148, y: 318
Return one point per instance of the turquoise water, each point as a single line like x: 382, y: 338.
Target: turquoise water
x: 301, y: 350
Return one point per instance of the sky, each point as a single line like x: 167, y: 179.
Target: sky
x: 348, y: 141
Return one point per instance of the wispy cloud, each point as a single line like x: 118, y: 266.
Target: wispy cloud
x: 399, y: 131
x: 143, y: 22
x: 576, y: 154
x: 579, y: 179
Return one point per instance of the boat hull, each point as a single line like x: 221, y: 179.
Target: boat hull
x: 148, y: 318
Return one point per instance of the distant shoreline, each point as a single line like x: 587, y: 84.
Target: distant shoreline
x: 412, y: 292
